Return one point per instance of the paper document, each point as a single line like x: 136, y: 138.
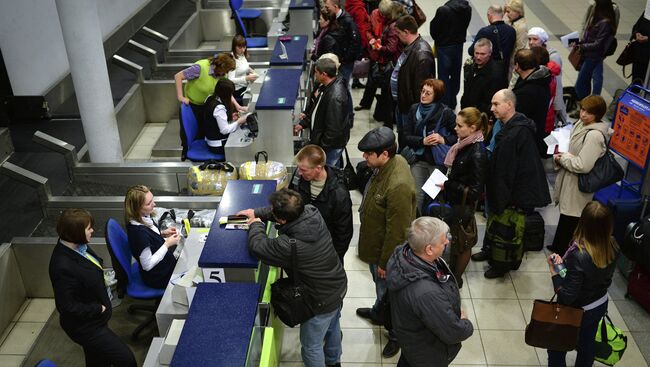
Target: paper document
x: 437, y: 177
x: 561, y: 138
x: 565, y: 39
x: 284, y: 54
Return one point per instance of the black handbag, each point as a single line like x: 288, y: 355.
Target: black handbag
x: 606, y: 171
x: 349, y: 175
x: 289, y: 297
x: 381, y: 73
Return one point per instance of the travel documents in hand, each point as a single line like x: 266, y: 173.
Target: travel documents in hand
x: 558, y: 140
x: 437, y: 177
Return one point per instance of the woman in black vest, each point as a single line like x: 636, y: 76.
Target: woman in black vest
x: 221, y: 118
x: 81, y: 295
x: 148, y: 244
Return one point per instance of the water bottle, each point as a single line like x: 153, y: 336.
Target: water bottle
x: 559, y: 268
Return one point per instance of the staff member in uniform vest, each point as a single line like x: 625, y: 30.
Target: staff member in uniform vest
x: 220, y: 118
x: 149, y: 245
x: 81, y: 295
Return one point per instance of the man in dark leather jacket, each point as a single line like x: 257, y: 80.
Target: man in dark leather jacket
x: 483, y: 78
x: 319, y: 269
x: 322, y: 186
x: 330, y: 118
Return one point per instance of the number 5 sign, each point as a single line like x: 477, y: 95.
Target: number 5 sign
x: 214, y: 275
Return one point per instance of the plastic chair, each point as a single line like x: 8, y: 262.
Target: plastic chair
x: 118, y: 245
x: 45, y: 363
x: 240, y: 15
x: 194, y: 149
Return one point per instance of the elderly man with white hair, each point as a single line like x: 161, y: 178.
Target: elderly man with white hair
x: 537, y: 37
x: 424, y: 298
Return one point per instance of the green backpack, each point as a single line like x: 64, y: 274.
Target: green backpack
x: 611, y: 350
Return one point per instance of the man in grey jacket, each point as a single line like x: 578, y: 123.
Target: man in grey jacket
x: 319, y: 269
x: 424, y: 298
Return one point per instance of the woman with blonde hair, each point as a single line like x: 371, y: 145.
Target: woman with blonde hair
x: 466, y: 162
x: 590, y: 263
x: 149, y: 245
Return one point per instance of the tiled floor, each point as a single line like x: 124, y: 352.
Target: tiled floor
x: 17, y: 340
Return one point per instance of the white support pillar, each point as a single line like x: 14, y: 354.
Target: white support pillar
x: 83, y: 43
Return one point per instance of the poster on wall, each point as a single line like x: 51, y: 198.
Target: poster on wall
x: 631, y: 137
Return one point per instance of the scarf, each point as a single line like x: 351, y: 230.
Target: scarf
x: 317, y: 40
x: 424, y: 110
x: 453, y: 151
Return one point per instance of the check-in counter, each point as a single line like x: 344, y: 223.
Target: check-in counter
x: 220, y: 326
x: 290, y: 53
x: 275, y: 106
x: 301, y: 21
x: 225, y: 256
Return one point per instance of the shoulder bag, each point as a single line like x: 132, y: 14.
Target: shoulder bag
x: 554, y: 326
x: 464, y: 231
x: 418, y: 14
x: 349, y: 175
x: 626, y: 57
x: 576, y: 58
x: 606, y: 171
x: 440, y: 151
x: 289, y: 297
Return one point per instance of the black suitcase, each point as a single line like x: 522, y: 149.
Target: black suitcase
x: 624, y: 211
x: 534, y: 232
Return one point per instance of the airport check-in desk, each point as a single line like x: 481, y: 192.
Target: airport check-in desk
x: 224, y: 255
x: 275, y: 106
x: 301, y: 19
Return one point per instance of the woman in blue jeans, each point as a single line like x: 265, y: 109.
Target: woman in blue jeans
x: 590, y: 262
x: 599, y: 35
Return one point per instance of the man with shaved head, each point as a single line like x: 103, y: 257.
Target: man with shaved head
x: 516, y: 177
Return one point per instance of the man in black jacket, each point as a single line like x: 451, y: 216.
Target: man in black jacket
x: 351, y: 47
x: 533, y: 93
x: 331, y: 117
x: 516, y: 176
x: 448, y: 29
x: 318, y: 267
x: 322, y: 186
x: 483, y: 78
x: 501, y: 35
x: 414, y: 66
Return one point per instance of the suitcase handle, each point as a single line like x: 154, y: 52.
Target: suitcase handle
x: 257, y: 156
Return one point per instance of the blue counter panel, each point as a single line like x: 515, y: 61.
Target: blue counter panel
x: 228, y: 248
x: 296, y: 51
x: 280, y: 90
x: 302, y: 4
x: 218, y: 328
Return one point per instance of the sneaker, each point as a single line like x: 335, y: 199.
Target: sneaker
x: 492, y: 273
x: 390, y: 349
x: 480, y: 256
x: 366, y: 313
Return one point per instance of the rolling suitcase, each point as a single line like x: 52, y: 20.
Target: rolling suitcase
x: 638, y: 286
x: 534, y: 232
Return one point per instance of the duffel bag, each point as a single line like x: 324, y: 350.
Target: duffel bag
x: 505, y: 233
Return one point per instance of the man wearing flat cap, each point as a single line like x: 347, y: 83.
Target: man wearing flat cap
x: 387, y: 209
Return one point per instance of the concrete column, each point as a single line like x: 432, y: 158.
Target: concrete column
x: 83, y: 43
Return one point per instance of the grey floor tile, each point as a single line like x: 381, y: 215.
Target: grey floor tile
x: 642, y: 339
x: 22, y: 309
x: 6, y: 331
x: 636, y: 318
x: 11, y: 361
x: 360, y: 284
x: 508, y: 348
x: 353, y: 262
x: 471, y: 352
x: 532, y: 285
x: 21, y: 338
x: 349, y: 318
x: 39, y: 310
x: 480, y: 287
x: 361, y: 346
x: 499, y: 314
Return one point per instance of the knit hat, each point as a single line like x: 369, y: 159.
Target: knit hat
x: 539, y: 33
x: 516, y: 5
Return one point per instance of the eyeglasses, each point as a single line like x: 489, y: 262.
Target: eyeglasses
x: 426, y: 92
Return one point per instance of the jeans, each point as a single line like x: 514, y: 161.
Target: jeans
x: 450, y: 61
x: 381, y: 287
x: 421, y: 170
x: 346, y: 72
x: 586, y: 340
x: 333, y: 157
x: 313, y: 332
x: 592, y: 68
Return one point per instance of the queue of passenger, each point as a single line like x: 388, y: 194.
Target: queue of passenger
x: 492, y: 150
